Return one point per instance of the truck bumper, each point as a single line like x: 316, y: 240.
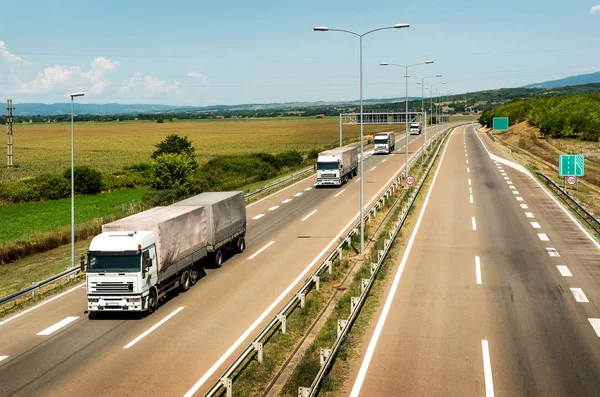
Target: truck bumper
x: 132, y: 303
x: 329, y: 182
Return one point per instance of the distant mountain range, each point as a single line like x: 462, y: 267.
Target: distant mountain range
x: 567, y: 81
x: 34, y: 109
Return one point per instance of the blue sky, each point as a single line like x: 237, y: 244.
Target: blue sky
x: 230, y: 52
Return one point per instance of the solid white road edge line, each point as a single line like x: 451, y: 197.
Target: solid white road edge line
x: 308, y: 216
x: 473, y: 223
x: 53, y: 328
x: 487, y: 369
x: 519, y: 167
x: 564, y: 271
x: 155, y: 326
x: 478, y: 269
x: 579, y: 295
x: 300, y: 277
x: 261, y: 250
x: 340, y: 193
x: 388, y: 303
x: 42, y: 304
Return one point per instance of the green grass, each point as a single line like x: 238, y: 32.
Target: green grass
x: 22, y: 221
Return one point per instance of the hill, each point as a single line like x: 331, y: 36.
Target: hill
x: 568, y: 81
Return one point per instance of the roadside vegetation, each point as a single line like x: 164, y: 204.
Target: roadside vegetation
x: 571, y: 116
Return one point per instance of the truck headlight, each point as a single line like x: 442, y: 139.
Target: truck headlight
x: 138, y: 299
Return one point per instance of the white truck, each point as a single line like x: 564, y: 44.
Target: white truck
x: 415, y: 129
x: 336, y: 166
x: 384, y: 142
x: 137, y: 260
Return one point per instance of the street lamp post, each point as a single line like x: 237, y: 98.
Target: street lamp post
x: 422, y: 83
x: 406, y: 101
x: 362, y: 179
x: 74, y: 95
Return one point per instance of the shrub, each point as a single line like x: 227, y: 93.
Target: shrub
x: 164, y: 197
x: 87, y: 180
x: 171, y: 171
x: 139, y: 167
x: 174, y: 144
x: 52, y: 187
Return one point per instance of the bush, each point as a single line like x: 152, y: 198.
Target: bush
x: 164, y: 197
x: 174, y: 144
x: 171, y: 171
x: 87, y: 180
x: 52, y: 187
x: 139, y: 167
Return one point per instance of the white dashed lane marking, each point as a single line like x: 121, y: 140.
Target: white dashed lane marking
x: 340, y: 193
x: 519, y: 198
x: 535, y: 225
x: 286, y: 201
x: 595, y: 322
x: 258, y: 216
x: 529, y: 214
x: 524, y: 206
x: 564, y: 271
x: 543, y: 237
x: 552, y: 252
x: 308, y: 216
x: 273, y: 208
x: 53, y: 328
x: 473, y: 223
x: 298, y: 194
x: 579, y: 295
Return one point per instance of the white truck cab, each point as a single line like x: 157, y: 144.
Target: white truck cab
x: 121, y: 269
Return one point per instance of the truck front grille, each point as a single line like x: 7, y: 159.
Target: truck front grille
x: 112, y: 287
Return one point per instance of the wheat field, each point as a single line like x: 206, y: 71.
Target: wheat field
x: 109, y: 146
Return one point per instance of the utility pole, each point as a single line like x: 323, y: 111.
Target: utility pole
x: 9, y: 122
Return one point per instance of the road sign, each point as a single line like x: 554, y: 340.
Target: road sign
x: 500, y: 124
x: 570, y: 165
x: 571, y: 180
x: 410, y: 180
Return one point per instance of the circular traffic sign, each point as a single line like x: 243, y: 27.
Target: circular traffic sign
x: 571, y: 180
x: 410, y: 180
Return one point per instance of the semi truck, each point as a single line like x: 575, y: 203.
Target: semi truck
x: 336, y: 166
x: 136, y: 261
x: 384, y: 142
x: 415, y: 129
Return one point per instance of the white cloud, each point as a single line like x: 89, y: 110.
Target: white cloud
x: 54, y: 78
x: 198, y: 76
x: 149, y: 84
x: 9, y: 56
x: 595, y: 9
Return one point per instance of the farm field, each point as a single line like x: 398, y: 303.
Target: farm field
x: 22, y: 221
x: 109, y: 146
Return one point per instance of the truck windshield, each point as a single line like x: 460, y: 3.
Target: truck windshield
x: 327, y: 166
x: 114, y: 263
x: 381, y: 141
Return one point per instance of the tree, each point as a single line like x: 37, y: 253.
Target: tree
x: 172, y: 171
x: 174, y: 144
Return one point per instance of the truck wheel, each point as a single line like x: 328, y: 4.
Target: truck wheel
x: 355, y: 172
x: 194, y: 274
x: 185, y: 281
x: 241, y: 244
x: 218, y: 258
x: 152, y: 302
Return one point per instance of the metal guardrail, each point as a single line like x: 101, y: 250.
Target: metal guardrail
x: 35, y: 286
x: 566, y: 195
x: 343, y: 326
x: 275, y: 184
x: 256, y: 345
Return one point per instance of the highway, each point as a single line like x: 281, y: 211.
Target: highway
x: 55, y: 349
x: 496, y: 294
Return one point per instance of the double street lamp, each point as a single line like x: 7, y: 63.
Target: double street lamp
x: 406, y: 100
x: 74, y: 95
x: 362, y: 179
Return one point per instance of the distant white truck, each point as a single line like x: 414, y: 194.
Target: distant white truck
x: 137, y: 260
x: 384, y: 142
x: 415, y: 129
x: 336, y: 166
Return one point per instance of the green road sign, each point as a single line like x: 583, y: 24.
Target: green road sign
x: 500, y: 124
x: 570, y: 165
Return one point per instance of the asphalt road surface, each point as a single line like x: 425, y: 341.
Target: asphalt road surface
x: 496, y: 293
x: 55, y: 349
